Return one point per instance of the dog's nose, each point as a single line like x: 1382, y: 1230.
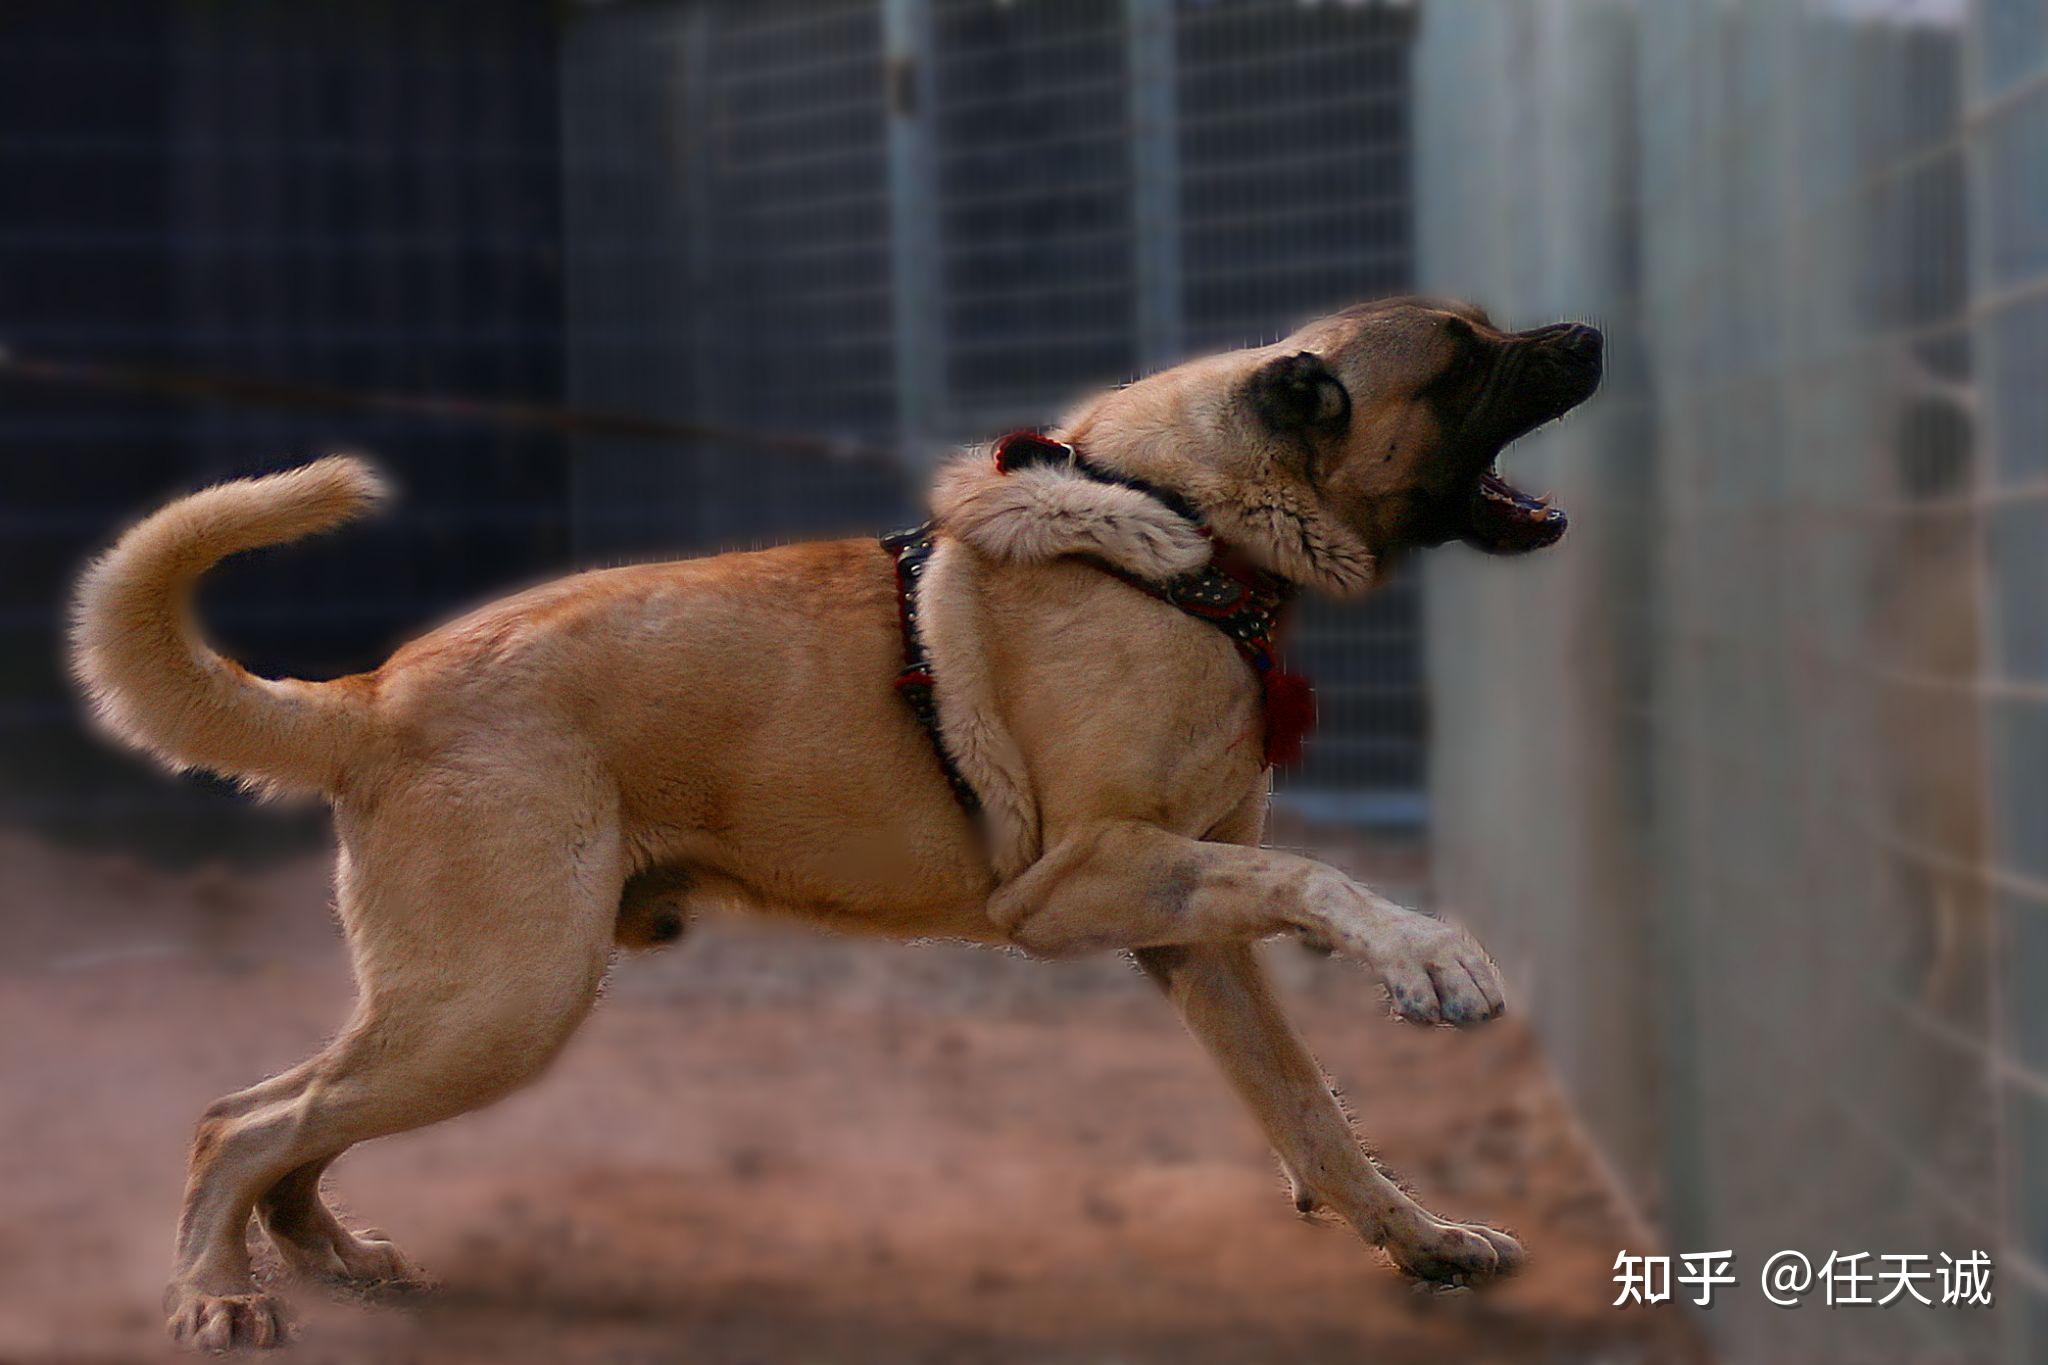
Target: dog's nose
x: 1584, y: 343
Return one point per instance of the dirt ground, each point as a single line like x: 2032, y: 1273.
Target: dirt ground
x: 769, y: 1145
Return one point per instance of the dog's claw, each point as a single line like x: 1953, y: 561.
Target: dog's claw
x: 367, y: 1264
x: 1434, y: 972
x: 227, y: 1322
x: 1455, y: 1254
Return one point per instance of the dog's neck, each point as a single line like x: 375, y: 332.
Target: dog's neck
x: 1029, y: 450
x: 1026, y: 450
x: 1042, y: 509
x: 1262, y: 512
x: 1030, y: 499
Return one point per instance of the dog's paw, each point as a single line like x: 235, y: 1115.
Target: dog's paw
x: 369, y: 1263
x: 226, y: 1322
x: 363, y: 1263
x: 1453, y: 1255
x: 1435, y: 973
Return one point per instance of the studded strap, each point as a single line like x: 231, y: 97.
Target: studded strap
x: 915, y: 683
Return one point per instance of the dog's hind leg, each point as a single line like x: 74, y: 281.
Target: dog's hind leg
x: 1223, y: 995
x: 478, y: 950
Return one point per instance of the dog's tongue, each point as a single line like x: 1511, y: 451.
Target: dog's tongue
x: 1503, y: 520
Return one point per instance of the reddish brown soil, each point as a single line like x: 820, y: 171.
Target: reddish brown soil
x: 772, y: 1146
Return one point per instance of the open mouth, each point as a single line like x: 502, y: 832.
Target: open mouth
x: 1503, y: 520
x: 1561, y: 372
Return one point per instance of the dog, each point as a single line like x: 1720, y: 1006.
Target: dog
x: 595, y: 760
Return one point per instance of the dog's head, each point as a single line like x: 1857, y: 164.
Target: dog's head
x: 1363, y: 435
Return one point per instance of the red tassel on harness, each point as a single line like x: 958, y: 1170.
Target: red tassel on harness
x: 1290, y: 715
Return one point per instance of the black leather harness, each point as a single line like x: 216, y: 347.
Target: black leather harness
x: 1247, y: 603
x: 915, y: 683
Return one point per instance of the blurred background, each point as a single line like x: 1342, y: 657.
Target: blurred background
x: 1746, y: 783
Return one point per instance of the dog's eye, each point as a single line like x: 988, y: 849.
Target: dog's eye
x: 1463, y: 364
x: 1467, y: 352
x: 1468, y: 357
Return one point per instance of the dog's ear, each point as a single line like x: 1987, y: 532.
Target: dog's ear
x: 1296, y: 395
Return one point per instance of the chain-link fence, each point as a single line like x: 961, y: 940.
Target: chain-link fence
x: 1762, y: 819
x: 897, y: 223
x: 929, y: 221
x: 359, y: 196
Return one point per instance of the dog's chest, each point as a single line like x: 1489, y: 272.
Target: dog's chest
x: 1120, y: 701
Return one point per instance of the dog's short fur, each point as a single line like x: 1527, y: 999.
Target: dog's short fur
x: 589, y: 762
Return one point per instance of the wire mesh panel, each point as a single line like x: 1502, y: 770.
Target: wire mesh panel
x: 1538, y: 668
x: 1806, y: 573
x: 1294, y: 162
x: 370, y: 199
x: 1293, y: 154
x: 746, y: 185
x: 357, y: 196
x: 888, y: 221
x: 82, y: 115
x: 2006, y: 143
x: 1803, y: 691
x: 1254, y: 150
x: 1031, y: 142
x: 634, y: 318
x: 730, y: 263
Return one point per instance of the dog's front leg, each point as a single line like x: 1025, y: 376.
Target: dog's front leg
x: 1223, y: 995
x: 1122, y: 884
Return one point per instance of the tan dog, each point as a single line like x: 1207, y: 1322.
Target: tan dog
x: 582, y: 763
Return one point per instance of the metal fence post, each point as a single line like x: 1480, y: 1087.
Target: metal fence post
x: 699, y: 112
x: 914, y: 235
x: 1155, y: 181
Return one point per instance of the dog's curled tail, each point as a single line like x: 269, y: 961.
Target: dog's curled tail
x: 154, y: 682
